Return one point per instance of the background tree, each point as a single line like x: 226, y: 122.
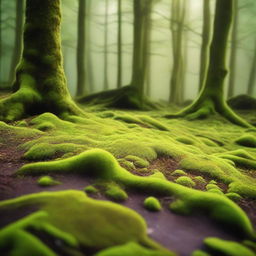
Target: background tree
x: 81, y: 71
x: 37, y: 91
x: 252, y: 76
x: 119, y: 44
x: 105, y: 75
x: 211, y: 99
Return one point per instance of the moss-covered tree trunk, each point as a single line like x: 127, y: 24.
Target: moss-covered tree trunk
x: 252, y: 76
x: 18, y: 38
x: 80, y: 55
x: 105, y: 77
x: 211, y: 98
x: 206, y: 38
x: 233, y: 53
x: 40, y: 84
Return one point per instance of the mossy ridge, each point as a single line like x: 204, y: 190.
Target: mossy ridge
x: 56, y: 218
x: 101, y: 164
x: 47, y: 181
x: 227, y: 248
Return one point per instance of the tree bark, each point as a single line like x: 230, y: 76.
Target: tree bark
x: 206, y: 37
x: 80, y: 55
x: 40, y: 84
x: 252, y: 77
x: 211, y: 99
x: 233, y: 53
x: 18, y: 39
x: 105, y: 82
x: 119, y: 45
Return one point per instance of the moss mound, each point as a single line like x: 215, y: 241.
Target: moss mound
x: 47, y: 181
x: 56, y: 218
x: 247, y: 141
x: 242, y: 102
x: 185, y: 181
x: 152, y: 204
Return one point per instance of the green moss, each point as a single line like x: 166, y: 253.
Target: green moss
x: 152, y: 204
x: 227, y: 248
x: 128, y: 119
x: 55, y: 216
x: 22, y: 123
x: 213, y: 182
x: 138, y: 162
x: 178, y: 173
x: 212, y: 186
x: 233, y: 196
x: 45, y: 126
x: 43, y: 151
x: 47, y: 181
x: 116, y: 193
x: 153, y: 122
x: 185, y: 181
x: 126, y: 164
x: 247, y: 140
x: 199, y: 179
x: 158, y: 175
x: 91, y: 189
x: 186, y: 140
x: 101, y: 164
x: 200, y: 253
x: 215, y: 190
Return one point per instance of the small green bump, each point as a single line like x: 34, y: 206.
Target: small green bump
x: 115, y: 193
x: 91, y: 189
x: 47, y: 181
x: 178, y: 173
x: 138, y: 162
x: 199, y: 179
x: 152, y: 204
x: 215, y: 190
x: 213, y: 182
x: 200, y: 253
x: 233, y: 196
x: 212, y: 186
x: 247, y: 141
x: 185, y: 181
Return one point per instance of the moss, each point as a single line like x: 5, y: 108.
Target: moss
x: 128, y: 119
x: 55, y: 216
x: 116, y: 193
x: 212, y: 186
x: 152, y: 204
x: 154, y: 123
x: 213, y: 182
x: 22, y: 123
x: 200, y: 253
x: 186, y: 140
x: 101, y: 164
x: 199, y: 179
x: 91, y: 189
x: 185, y: 181
x: 233, y: 196
x: 227, y: 248
x: 132, y: 249
x: 209, y: 142
x: 215, y: 190
x: 158, y: 175
x: 247, y: 140
x: 138, y: 162
x: 242, y: 102
x: 45, y: 126
x: 47, y: 181
x: 126, y: 164
x: 43, y: 151
x: 178, y: 173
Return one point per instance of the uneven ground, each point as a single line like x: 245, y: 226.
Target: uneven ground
x: 170, y: 159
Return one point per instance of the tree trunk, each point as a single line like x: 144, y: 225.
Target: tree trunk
x: 105, y: 82
x: 233, y: 54
x: 18, y: 39
x: 88, y: 54
x: 1, y: 43
x: 119, y: 45
x: 211, y: 98
x: 80, y: 57
x: 40, y: 81
x: 206, y: 37
x: 252, y: 77
x: 177, y: 26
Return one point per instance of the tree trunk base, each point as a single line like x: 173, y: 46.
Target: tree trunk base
x: 202, y: 109
x: 126, y: 97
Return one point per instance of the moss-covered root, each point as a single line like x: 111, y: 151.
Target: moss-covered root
x: 103, y: 165
x: 95, y: 224
x: 202, y: 109
x: 227, y: 248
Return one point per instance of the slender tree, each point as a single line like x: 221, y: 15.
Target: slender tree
x: 177, y: 27
x: 18, y: 38
x: 40, y: 84
x: 119, y: 44
x: 252, y: 76
x: 211, y: 98
x: 105, y: 77
x: 206, y: 38
x: 233, y: 53
x: 80, y: 58
x: 0, y: 42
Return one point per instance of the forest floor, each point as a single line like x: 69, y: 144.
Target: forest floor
x: 179, y: 157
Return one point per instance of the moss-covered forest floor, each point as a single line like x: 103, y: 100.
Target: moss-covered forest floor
x: 193, y: 175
